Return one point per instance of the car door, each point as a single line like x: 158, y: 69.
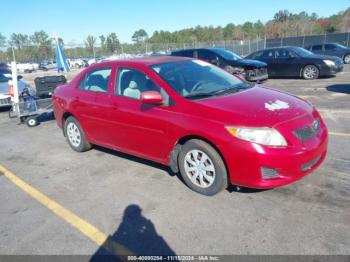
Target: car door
x: 317, y: 49
x: 331, y: 49
x: 88, y: 104
x: 287, y: 63
x: 269, y: 58
x: 138, y: 128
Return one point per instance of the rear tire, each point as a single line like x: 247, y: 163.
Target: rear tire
x: 347, y: 59
x: 311, y: 72
x: 75, y: 135
x: 202, y: 168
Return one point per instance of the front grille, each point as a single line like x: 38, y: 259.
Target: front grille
x: 268, y: 172
x: 257, y: 72
x: 308, y: 132
x: 5, y: 101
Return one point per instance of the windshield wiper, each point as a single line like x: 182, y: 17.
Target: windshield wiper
x: 198, y: 95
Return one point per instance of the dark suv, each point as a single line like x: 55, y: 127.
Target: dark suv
x: 251, y: 70
x: 332, y: 49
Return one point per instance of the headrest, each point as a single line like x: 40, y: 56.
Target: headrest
x: 133, y: 85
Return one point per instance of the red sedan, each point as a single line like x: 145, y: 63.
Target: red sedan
x: 196, y: 118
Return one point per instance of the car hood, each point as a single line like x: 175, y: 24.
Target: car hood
x: 258, y: 106
x: 328, y: 57
x: 247, y: 63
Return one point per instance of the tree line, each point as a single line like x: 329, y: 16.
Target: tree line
x: 39, y: 45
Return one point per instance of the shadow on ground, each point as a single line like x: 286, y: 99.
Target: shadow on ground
x: 340, y: 88
x: 135, y: 236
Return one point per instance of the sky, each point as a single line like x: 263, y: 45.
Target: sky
x: 73, y: 20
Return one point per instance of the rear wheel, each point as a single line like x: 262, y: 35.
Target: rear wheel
x: 347, y: 59
x: 310, y: 72
x: 75, y: 135
x: 202, y: 167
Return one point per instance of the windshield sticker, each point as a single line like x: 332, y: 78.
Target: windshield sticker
x: 277, y: 105
x: 201, y: 63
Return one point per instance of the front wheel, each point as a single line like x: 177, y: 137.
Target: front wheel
x: 202, y: 167
x: 310, y: 72
x: 347, y: 59
x: 75, y: 135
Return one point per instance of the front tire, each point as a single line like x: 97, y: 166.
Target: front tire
x: 311, y: 72
x: 75, y: 135
x: 347, y: 59
x: 202, y: 167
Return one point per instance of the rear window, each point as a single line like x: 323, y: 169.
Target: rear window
x: 186, y: 53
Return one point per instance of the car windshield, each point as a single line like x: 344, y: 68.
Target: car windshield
x: 340, y: 46
x: 301, y: 51
x: 196, y: 79
x: 226, y: 54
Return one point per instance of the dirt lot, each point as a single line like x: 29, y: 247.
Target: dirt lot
x: 142, y: 206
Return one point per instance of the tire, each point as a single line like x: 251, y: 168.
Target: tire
x: 213, y: 167
x: 75, y: 135
x: 347, y: 59
x: 32, y: 121
x: 310, y: 72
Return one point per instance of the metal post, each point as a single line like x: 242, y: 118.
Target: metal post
x: 249, y: 47
x: 303, y: 41
x: 325, y: 38
x: 281, y: 40
x: 14, y: 82
x: 13, y: 54
x: 265, y: 42
x: 347, y: 41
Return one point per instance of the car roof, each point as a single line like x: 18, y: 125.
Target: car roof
x: 202, y: 48
x: 147, y: 60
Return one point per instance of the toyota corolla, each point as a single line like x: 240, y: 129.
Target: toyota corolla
x: 203, y: 122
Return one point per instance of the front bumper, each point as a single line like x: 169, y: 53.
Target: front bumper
x: 253, y: 75
x: 291, y: 163
x: 332, y: 70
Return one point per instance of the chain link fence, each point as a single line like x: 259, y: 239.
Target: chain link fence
x: 34, y: 53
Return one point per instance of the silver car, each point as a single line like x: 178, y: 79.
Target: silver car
x: 5, y: 98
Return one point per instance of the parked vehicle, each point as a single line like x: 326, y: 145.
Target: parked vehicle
x: 251, y: 70
x: 290, y: 61
x: 195, y: 117
x: 332, y: 49
x: 47, y: 65
x: 5, y: 97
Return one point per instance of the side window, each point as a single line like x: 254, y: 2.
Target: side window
x: 317, y: 48
x: 258, y: 55
x: 207, y: 56
x: 131, y: 83
x: 282, y: 53
x: 270, y: 54
x: 330, y: 47
x: 96, y: 80
x: 186, y: 53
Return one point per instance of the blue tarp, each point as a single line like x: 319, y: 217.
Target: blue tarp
x: 61, y: 61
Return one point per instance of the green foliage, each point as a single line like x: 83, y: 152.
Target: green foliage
x: 284, y: 23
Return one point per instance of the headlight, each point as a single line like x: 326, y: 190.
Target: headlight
x: 234, y: 69
x: 329, y: 62
x: 260, y: 135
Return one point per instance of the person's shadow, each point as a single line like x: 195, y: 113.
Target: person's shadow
x: 135, y: 236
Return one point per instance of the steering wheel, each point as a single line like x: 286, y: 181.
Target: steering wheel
x: 197, y: 86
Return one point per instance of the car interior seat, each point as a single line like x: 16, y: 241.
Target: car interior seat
x: 132, y: 90
x: 97, y: 83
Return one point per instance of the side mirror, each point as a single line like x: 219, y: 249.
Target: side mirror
x: 151, y: 97
x: 19, y: 77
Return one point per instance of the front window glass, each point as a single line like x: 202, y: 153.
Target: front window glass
x: 96, y: 80
x: 228, y: 54
x: 198, y: 79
